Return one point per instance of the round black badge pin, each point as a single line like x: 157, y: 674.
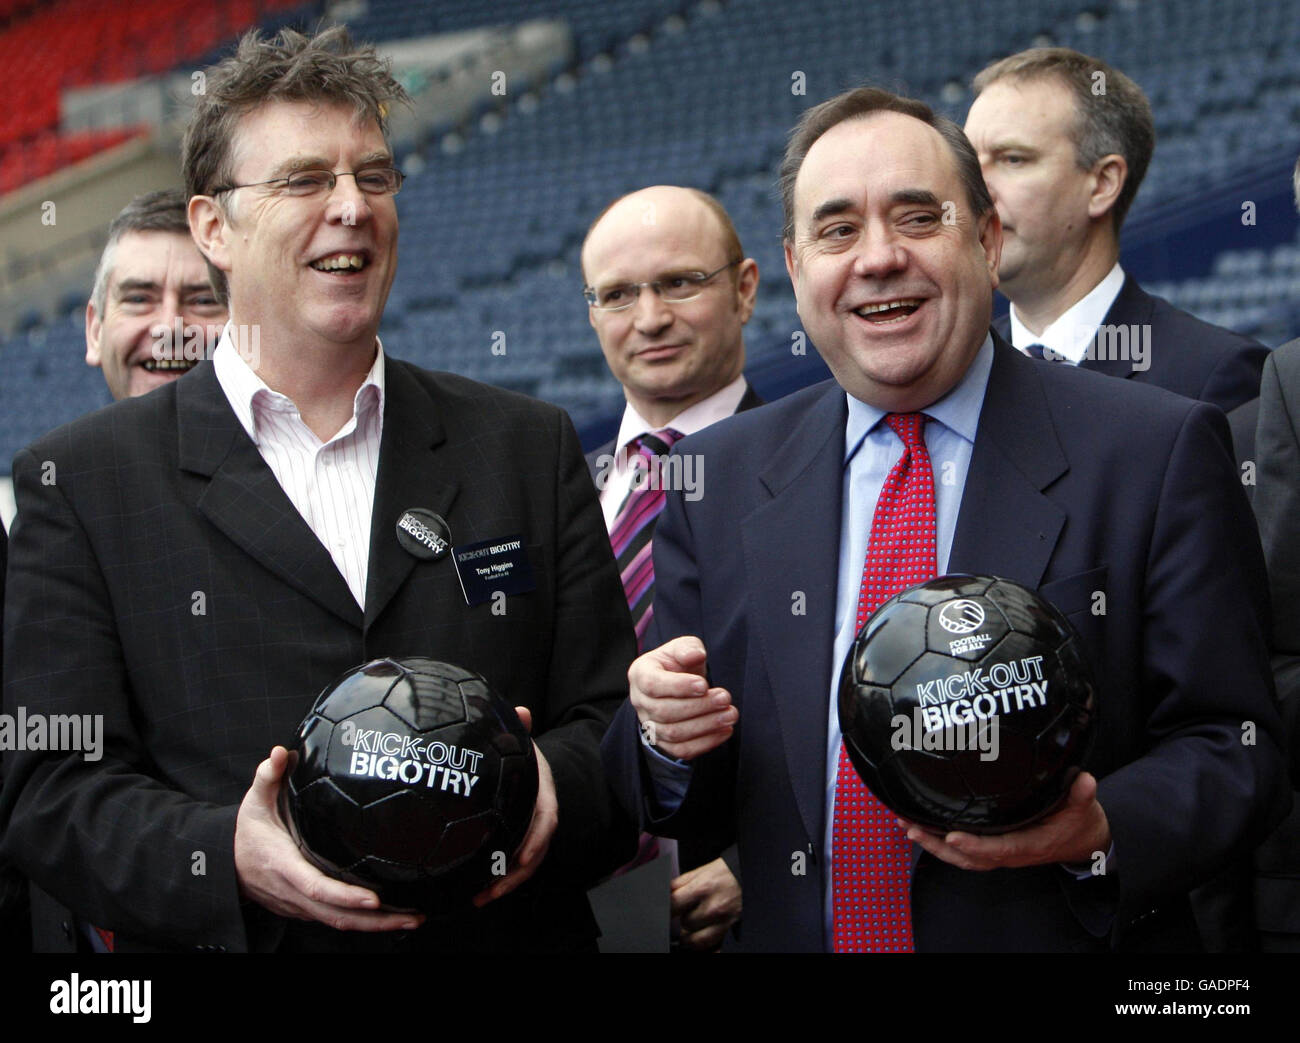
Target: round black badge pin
x: 423, y: 534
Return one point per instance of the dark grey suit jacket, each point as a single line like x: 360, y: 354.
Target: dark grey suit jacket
x: 128, y: 515
x: 1277, y: 508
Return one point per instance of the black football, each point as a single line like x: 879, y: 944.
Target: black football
x: 967, y: 703
x: 413, y: 778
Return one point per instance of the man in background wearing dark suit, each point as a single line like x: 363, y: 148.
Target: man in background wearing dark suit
x: 196, y: 564
x: 150, y: 283
x: 1095, y: 492
x: 677, y: 346
x: 1064, y: 141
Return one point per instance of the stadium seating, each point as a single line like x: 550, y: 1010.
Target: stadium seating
x: 704, y: 93
x: 46, y: 48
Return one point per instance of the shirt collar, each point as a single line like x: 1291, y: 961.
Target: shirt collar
x: 248, y: 393
x: 1072, y: 333
x: 707, y: 411
x: 958, y: 410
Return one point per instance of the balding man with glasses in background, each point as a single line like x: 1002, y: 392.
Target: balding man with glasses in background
x: 266, y: 488
x: 669, y: 291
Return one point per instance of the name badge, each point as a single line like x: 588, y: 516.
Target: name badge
x: 490, y: 566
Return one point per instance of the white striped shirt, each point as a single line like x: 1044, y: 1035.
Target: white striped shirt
x: 332, y: 484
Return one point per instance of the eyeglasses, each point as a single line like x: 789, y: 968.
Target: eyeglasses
x: 674, y: 288
x: 377, y: 181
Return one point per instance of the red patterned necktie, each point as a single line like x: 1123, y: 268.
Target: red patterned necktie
x: 870, y: 853
x: 634, y: 525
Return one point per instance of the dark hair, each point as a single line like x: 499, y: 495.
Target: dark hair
x: 1113, y: 120
x: 864, y: 101
x: 327, y: 67
x: 161, y: 211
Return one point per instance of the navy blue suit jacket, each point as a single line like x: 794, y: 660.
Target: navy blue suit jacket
x: 1188, y: 356
x: 1076, y: 485
x: 690, y: 855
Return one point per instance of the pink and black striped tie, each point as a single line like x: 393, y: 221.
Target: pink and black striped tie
x: 870, y: 854
x: 634, y: 525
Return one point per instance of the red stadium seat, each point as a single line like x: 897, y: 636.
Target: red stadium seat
x: 80, y: 43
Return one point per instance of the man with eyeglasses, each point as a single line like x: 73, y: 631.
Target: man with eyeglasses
x: 197, y: 564
x: 669, y: 291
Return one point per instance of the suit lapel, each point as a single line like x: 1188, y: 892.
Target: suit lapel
x: 1006, y: 526
x: 1132, y: 308
x: 244, y: 500
x: 411, y: 474
x: 791, y: 543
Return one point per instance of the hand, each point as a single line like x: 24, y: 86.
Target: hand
x: 680, y: 714
x: 1075, y: 833
x: 273, y: 872
x: 707, y: 901
x: 536, y: 842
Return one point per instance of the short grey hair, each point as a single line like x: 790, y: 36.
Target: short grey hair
x: 161, y: 211
x: 1117, y: 120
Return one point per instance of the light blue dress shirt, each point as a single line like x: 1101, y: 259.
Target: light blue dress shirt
x: 871, y: 449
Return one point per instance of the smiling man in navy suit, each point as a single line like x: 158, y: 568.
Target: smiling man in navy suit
x: 1118, y: 502
x: 1064, y: 141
